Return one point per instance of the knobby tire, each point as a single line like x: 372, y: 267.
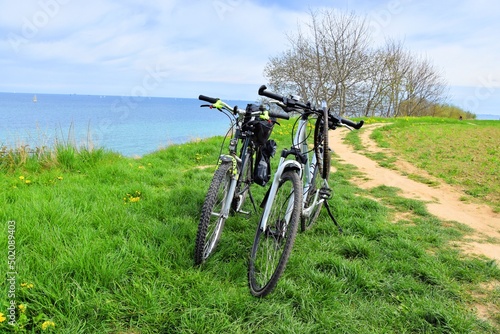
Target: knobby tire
x: 211, y: 222
x: 321, y: 148
x: 272, y: 246
x: 316, y: 183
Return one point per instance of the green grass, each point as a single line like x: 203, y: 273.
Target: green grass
x: 104, y: 244
x: 462, y: 153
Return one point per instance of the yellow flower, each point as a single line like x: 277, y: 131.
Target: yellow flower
x: 22, y: 308
x: 59, y: 177
x: 27, y: 285
x: 134, y: 199
x: 27, y: 181
x: 21, y: 177
x: 48, y: 324
x: 2, y: 317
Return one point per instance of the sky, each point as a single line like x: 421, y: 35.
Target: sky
x: 183, y: 48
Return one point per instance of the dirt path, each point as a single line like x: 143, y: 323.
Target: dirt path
x: 444, y: 199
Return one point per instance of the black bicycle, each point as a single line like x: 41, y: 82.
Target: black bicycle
x: 235, y: 173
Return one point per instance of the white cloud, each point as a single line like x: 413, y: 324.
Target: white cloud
x: 108, y: 46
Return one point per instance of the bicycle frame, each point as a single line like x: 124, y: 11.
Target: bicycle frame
x: 305, y: 168
x: 238, y: 163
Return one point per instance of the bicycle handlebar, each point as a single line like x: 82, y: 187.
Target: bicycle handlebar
x: 263, y: 92
x: 208, y: 99
x: 291, y: 103
x: 348, y: 122
x: 274, y: 114
x: 279, y: 115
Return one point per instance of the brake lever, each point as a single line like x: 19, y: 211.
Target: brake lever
x: 346, y: 126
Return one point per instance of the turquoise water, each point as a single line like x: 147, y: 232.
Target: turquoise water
x: 127, y: 125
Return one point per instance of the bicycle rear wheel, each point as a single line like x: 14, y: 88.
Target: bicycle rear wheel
x: 211, y: 220
x: 272, y: 246
x: 321, y: 148
x: 313, y: 203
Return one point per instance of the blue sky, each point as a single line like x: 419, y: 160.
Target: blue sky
x: 184, y: 48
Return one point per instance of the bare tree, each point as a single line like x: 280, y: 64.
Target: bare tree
x: 423, y: 88
x: 330, y: 59
x: 324, y: 62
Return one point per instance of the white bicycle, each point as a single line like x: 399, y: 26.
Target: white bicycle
x: 298, y: 192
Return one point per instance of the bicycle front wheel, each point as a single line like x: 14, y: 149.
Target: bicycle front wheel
x: 273, y: 245
x: 211, y: 220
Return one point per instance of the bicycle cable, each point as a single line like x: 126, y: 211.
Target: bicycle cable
x: 307, y: 114
x: 231, y: 129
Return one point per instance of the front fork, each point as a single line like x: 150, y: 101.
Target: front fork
x: 283, y: 166
x: 232, y: 185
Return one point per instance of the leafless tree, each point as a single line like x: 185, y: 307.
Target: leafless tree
x: 325, y: 61
x: 331, y: 59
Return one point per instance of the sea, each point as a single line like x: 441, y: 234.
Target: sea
x: 131, y: 126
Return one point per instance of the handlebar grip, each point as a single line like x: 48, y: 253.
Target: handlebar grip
x: 263, y: 92
x: 289, y: 102
x: 350, y: 123
x: 277, y: 114
x: 208, y: 99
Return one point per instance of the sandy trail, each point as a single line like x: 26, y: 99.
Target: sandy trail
x: 444, y: 199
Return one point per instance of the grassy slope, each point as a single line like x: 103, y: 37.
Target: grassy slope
x: 107, y: 243
x: 463, y: 153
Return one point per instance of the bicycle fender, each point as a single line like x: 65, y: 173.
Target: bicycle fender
x: 283, y: 168
x: 229, y: 159
x: 290, y: 165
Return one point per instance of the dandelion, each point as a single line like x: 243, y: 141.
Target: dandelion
x: 22, y: 308
x: 48, y: 324
x: 21, y: 177
x: 27, y: 181
x: 132, y: 198
x: 2, y: 317
x: 27, y: 285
